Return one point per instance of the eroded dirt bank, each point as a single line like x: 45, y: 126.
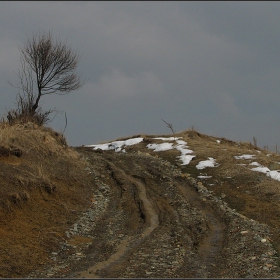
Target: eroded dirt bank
x: 148, y: 220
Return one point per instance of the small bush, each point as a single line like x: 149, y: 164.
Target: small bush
x: 39, y: 118
x: 24, y: 113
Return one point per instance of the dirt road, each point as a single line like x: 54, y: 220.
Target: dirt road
x: 152, y: 221
x: 149, y: 221
x: 158, y: 204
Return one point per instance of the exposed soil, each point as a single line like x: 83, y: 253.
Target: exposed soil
x: 141, y: 214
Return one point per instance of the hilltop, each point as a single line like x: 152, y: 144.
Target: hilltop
x: 152, y: 206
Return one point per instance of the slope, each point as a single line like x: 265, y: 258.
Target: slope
x: 159, y: 212
x: 150, y: 206
x: 43, y: 189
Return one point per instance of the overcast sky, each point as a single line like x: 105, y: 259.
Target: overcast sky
x: 214, y: 66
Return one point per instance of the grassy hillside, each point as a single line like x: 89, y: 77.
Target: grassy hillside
x: 44, y: 186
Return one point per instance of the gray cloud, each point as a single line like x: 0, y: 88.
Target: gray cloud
x: 213, y: 65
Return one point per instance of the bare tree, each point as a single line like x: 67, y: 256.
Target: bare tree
x: 48, y: 66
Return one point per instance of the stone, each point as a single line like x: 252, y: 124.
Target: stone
x: 223, y: 195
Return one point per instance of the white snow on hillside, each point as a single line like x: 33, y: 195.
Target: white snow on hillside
x: 244, y: 156
x: 181, y: 146
x: 203, y: 177
x: 160, y: 147
x: 167, y: 138
x: 186, y: 154
x: 117, y: 145
x: 255, y: 163
x: 206, y: 163
x: 274, y: 174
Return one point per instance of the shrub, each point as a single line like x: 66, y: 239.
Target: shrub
x: 24, y: 113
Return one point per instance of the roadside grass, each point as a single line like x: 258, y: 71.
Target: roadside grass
x: 42, y: 191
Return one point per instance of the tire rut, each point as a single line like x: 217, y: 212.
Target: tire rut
x: 211, y: 246
x: 151, y: 218
x: 208, y: 248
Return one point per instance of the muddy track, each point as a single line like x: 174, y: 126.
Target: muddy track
x: 149, y: 221
x: 161, y: 215
x: 210, y: 248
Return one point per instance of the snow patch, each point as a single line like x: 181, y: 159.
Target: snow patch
x: 261, y: 169
x: 244, y: 156
x: 184, y: 157
x: 181, y: 142
x: 203, y: 177
x: 255, y: 163
x: 160, y: 147
x: 181, y: 146
x: 211, y: 162
x: 167, y: 138
x: 117, y: 145
x: 274, y: 174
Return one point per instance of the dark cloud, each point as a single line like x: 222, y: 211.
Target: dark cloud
x: 211, y: 65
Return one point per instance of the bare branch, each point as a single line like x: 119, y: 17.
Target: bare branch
x: 65, y: 123
x: 169, y: 125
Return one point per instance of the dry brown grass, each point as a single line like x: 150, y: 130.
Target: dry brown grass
x: 43, y: 188
x: 30, y: 136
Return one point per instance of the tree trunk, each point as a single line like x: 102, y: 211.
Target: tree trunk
x: 36, y: 104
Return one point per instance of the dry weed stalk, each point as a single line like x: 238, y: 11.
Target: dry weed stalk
x: 44, y: 176
x: 169, y: 125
